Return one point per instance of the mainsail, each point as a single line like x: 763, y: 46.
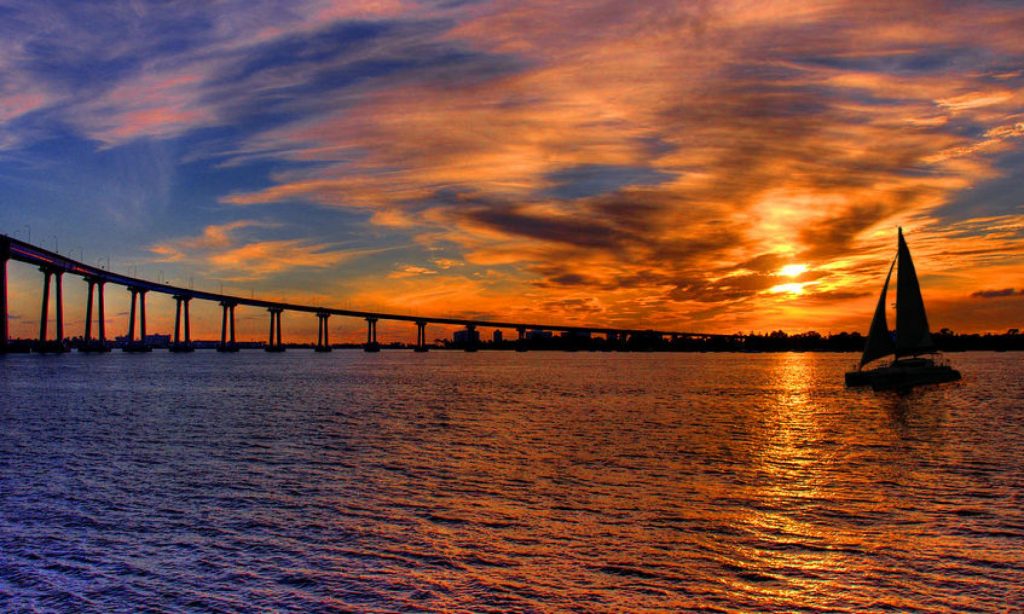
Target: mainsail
x: 912, y: 336
x: 879, y: 342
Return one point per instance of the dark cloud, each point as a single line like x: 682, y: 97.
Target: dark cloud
x: 997, y: 293
x: 578, y: 232
x: 570, y: 279
x: 833, y: 237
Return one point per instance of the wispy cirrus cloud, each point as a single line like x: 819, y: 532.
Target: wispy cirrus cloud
x: 655, y: 162
x: 234, y: 252
x: 763, y: 138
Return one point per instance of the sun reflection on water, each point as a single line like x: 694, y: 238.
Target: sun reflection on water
x: 793, y: 469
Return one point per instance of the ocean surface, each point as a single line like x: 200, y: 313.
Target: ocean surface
x: 499, y: 481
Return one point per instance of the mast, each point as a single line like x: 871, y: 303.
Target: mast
x: 912, y: 335
x: 879, y: 342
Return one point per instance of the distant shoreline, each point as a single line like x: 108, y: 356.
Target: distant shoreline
x: 778, y: 341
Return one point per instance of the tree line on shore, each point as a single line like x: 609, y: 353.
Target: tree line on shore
x: 776, y: 341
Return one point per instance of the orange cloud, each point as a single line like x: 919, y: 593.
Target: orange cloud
x: 763, y: 149
x: 650, y: 163
x: 225, y: 255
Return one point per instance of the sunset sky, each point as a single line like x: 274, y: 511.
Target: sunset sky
x: 710, y: 166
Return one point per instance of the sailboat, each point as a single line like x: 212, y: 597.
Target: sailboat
x: 912, y: 347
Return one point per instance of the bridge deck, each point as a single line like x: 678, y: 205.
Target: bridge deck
x: 32, y: 254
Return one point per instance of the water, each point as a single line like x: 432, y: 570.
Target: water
x: 503, y: 481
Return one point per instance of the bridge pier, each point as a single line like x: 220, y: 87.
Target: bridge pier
x: 87, y: 336
x: 179, y: 345
x: 46, y: 308
x: 274, y: 341
x: 421, y: 336
x: 472, y: 337
x: 323, y: 341
x: 101, y: 316
x: 521, y: 340
x: 58, y: 279
x: 371, y: 336
x: 227, y: 327
x: 57, y: 345
x: 5, y: 254
x: 90, y: 345
x: 138, y: 296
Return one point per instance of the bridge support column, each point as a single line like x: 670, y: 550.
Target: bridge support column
x: 227, y: 327
x: 323, y: 340
x: 90, y: 345
x: 5, y: 254
x: 274, y: 341
x: 41, y: 346
x: 521, y: 340
x: 101, y: 316
x: 87, y: 336
x: 57, y: 345
x: 421, y: 336
x: 139, y: 299
x: 131, y: 315
x: 472, y: 337
x: 58, y: 279
x: 371, y: 336
x: 181, y: 309
x: 142, y: 316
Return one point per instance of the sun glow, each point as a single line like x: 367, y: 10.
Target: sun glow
x: 794, y: 288
x: 792, y: 270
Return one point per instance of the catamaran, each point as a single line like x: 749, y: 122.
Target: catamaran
x: 912, y: 346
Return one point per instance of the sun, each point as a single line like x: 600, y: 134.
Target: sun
x: 792, y: 270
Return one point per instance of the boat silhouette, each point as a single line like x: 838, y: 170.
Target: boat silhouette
x: 914, y: 352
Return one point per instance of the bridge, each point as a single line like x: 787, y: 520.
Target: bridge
x: 54, y: 266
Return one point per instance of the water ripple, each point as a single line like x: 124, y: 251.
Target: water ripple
x: 492, y: 482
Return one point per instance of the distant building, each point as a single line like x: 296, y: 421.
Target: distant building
x: 153, y: 341
x: 538, y: 335
x: 158, y: 341
x: 497, y: 337
x: 465, y: 337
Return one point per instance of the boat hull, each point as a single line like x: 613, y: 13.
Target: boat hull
x: 901, y: 376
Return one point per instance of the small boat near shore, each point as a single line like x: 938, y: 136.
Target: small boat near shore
x: 914, y: 362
